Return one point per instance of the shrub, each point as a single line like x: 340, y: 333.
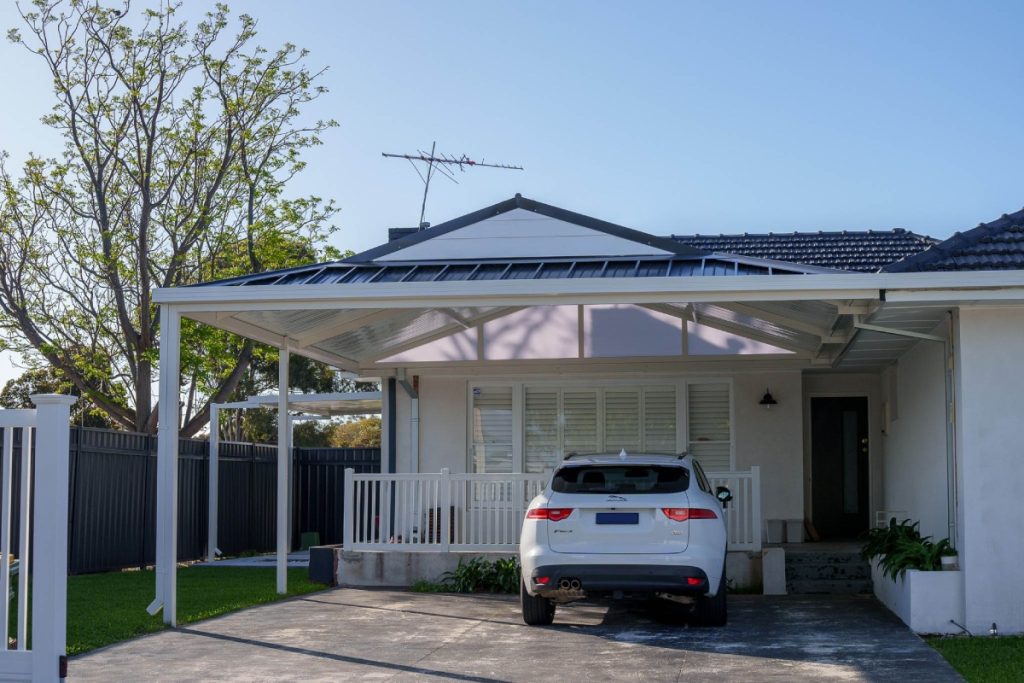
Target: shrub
x: 476, y: 575
x: 900, y: 547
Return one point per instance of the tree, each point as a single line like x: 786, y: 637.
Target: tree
x: 362, y: 433
x: 179, y: 144
x: 17, y: 392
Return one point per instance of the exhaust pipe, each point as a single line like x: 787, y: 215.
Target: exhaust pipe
x: 575, y: 584
x: 564, y: 584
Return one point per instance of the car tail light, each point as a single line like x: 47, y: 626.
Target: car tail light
x: 684, y: 514
x: 550, y: 514
x: 542, y: 580
x: 693, y: 581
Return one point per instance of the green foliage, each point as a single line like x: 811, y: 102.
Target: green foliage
x: 180, y: 143
x: 356, y: 433
x: 48, y: 380
x: 476, y: 575
x: 900, y: 546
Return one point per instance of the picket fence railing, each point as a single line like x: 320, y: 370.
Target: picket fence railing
x: 484, y: 512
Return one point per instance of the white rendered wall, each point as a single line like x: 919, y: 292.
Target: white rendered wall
x: 914, y: 463
x: 772, y: 438
x: 990, y: 449
x: 521, y: 234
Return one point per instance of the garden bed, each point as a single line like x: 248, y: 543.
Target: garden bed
x: 926, y: 601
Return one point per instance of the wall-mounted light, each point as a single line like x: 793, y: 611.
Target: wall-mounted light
x: 767, y: 401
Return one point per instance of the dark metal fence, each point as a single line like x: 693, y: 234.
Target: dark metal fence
x: 112, y: 506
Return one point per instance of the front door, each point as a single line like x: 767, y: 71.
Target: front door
x: 839, y: 466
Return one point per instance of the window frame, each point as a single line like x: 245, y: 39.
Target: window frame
x: 681, y: 385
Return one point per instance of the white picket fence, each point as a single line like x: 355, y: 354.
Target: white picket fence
x: 743, y: 516
x: 484, y: 512
x: 43, y: 518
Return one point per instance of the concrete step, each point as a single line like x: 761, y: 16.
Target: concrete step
x: 816, y: 558
x: 829, y: 571
x: 828, y: 586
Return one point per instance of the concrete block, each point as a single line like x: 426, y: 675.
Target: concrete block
x: 775, y: 530
x: 323, y: 564
x: 794, y: 531
x: 743, y: 569
x: 398, y: 569
x: 773, y: 571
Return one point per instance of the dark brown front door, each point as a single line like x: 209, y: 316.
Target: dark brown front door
x: 839, y: 466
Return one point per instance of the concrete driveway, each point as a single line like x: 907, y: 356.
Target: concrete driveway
x: 376, y: 635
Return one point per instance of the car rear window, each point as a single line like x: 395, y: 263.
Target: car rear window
x: 621, y: 479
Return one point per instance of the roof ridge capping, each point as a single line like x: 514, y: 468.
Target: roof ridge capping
x: 520, y: 202
x: 930, y: 258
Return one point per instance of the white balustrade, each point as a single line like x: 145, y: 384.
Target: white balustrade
x: 743, y: 514
x: 484, y: 512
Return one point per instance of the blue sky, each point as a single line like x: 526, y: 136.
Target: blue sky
x: 667, y: 117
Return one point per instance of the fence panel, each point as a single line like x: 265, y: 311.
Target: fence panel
x: 743, y: 515
x: 318, y: 488
x: 112, y: 497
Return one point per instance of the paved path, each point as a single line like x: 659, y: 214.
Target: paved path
x: 356, y: 635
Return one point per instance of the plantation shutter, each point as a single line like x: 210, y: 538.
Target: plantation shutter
x: 710, y: 432
x: 540, y: 421
x: 492, y: 429
x: 622, y: 420
x: 660, y: 420
x: 580, y: 428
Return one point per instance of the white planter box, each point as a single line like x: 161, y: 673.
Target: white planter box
x: 925, y: 601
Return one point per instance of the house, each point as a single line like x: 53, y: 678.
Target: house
x: 837, y: 378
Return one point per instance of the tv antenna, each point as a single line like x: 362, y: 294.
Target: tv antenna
x: 446, y: 164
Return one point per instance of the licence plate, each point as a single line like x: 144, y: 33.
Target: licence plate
x: 618, y: 518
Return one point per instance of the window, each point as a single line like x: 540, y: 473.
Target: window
x: 620, y: 479
x: 531, y: 428
x: 710, y: 429
x: 558, y: 421
x: 492, y: 429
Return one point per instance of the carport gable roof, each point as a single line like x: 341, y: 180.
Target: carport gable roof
x: 617, y: 252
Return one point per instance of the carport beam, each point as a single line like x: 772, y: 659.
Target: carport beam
x: 167, y: 466
x: 282, y: 471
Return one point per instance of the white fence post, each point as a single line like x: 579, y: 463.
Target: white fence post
x: 755, y: 505
x: 213, y: 480
x: 445, y: 494
x: 50, y: 536
x: 349, y: 494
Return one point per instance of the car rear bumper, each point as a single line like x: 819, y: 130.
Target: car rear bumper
x: 628, y: 578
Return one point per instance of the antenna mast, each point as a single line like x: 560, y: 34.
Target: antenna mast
x: 446, y: 164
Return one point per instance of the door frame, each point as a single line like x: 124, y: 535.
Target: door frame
x: 873, y: 493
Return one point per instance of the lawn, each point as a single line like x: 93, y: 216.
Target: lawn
x: 107, y: 608
x: 984, y: 660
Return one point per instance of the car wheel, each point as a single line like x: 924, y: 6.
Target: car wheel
x: 537, y: 610
x: 712, y: 611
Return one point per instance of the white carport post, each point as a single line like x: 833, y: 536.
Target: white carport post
x: 213, y: 483
x: 282, y: 471
x: 167, y: 467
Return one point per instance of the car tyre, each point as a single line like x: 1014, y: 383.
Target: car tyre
x: 537, y: 610
x: 712, y: 611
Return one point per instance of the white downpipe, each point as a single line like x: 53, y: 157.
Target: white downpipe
x: 167, y: 467
x: 282, y: 471
x: 214, y: 484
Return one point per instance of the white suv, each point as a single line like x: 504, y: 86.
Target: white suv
x: 616, y: 525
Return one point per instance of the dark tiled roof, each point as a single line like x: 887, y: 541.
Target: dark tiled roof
x: 998, y: 245
x: 865, y: 252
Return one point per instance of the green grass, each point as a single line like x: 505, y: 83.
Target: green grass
x: 984, y: 659
x: 108, y: 608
